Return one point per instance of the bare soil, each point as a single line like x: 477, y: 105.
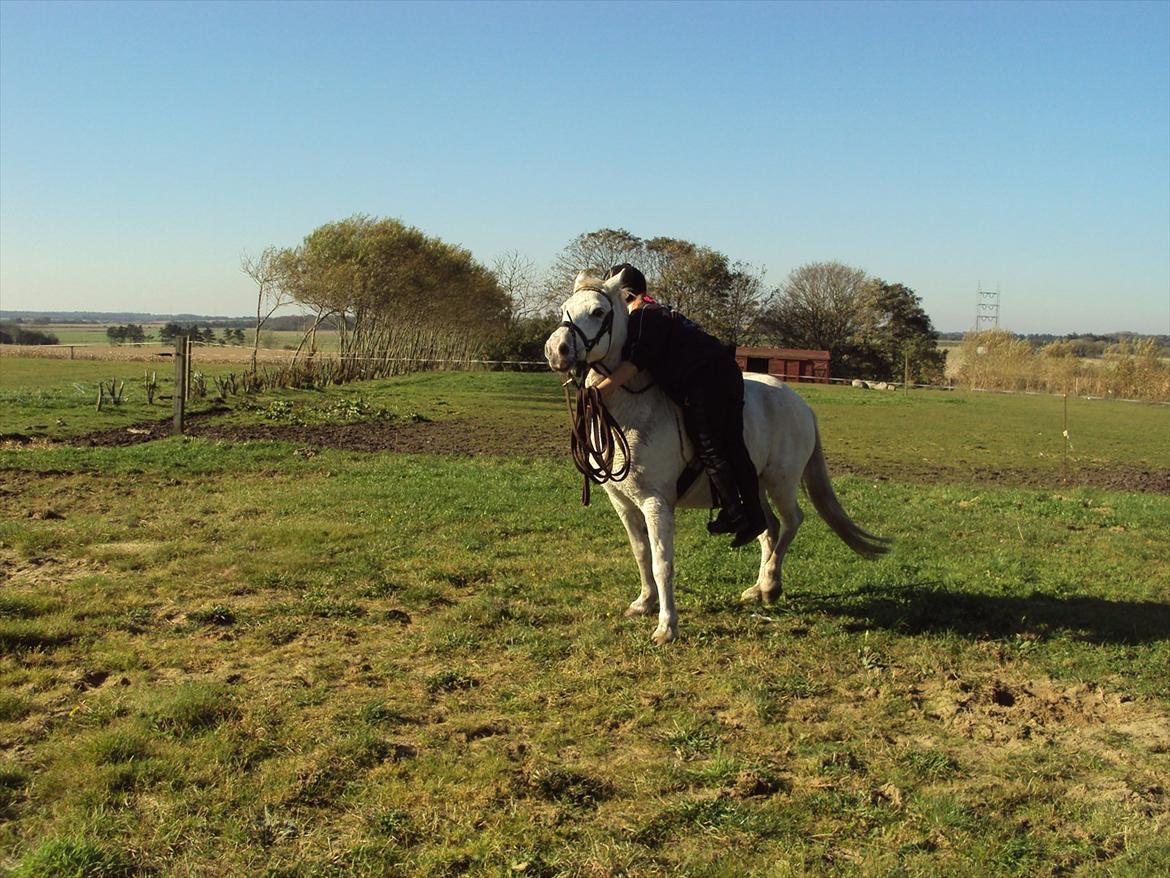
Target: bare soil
x: 474, y: 438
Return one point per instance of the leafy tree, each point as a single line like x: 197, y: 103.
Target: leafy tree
x: 893, y: 333
x: 817, y: 308
x: 375, y: 276
x: 12, y: 333
x: 131, y: 332
x: 172, y: 331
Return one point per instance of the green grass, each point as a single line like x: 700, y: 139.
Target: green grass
x: 951, y: 434
x: 57, y: 399
x: 226, y: 658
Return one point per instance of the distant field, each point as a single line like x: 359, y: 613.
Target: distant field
x: 95, y: 334
x: 260, y: 653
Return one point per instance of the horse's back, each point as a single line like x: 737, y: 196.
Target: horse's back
x: 779, y: 428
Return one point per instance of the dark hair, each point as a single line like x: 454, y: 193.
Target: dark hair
x: 633, y: 280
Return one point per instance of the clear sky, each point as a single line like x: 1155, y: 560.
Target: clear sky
x: 143, y: 146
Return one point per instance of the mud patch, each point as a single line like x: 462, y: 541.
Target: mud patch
x: 461, y: 436
x: 1110, y: 478
x: 468, y: 437
x: 1001, y: 711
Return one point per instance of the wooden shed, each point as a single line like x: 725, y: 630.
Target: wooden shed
x: 786, y: 364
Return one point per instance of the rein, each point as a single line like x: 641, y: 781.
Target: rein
x: 595, y: 439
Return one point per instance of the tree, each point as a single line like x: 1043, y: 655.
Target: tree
x: 744, y: 302
x: 11, y: 332
x: 517, y: 278
x: 817, y: 308
x: 270, y: 272
x: 595, y: 252
x: 722, y: 296
x: 894, y: 333
x: 379, y: 277
x: 131, y: 332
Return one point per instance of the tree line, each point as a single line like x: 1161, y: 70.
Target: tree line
x: 870, y: 327
x: 134, y: 333
x: 375, y: 280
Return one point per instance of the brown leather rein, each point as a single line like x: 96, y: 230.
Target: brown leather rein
x: 595, y: 439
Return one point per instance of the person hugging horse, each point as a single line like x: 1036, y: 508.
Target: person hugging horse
x: 699, y: 373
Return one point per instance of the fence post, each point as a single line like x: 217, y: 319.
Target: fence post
x: 1064, y: 461
x: 187, y: 380
x: 181, y: 345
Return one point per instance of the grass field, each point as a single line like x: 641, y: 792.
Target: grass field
x: 95, y: 334
x: 263, y: 658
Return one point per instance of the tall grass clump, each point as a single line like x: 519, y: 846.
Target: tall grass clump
x: 999, y: 360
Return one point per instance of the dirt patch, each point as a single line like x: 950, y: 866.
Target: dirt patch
x: 1004, y: 711
x: 466, y: 437
x: 460, y: 436
x: 1116, y: 477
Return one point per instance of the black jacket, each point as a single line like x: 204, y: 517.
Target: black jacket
x: 673, y: 349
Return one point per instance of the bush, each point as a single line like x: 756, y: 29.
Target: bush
x: 11, y: 333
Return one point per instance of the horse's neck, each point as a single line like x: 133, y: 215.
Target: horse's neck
x: 638, y: 404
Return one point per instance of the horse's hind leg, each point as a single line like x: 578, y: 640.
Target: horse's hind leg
x: 766, y: 548
x: 639, y: 536
x: 783, y: 493
x: 767, y: 542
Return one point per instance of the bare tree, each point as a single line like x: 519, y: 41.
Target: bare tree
x: 744, y: 302
x: 518, y: 277
x: 269, y: 271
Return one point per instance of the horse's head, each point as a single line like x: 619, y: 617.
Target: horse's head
x: 593, y: 325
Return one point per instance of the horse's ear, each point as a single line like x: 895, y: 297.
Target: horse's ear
x: 581, y: 281
x: 613, y: 286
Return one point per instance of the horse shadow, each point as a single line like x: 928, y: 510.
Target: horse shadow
x: 930, y: 608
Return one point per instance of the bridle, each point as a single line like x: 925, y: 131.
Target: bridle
x: 599, y: 447
x: 590, y: 343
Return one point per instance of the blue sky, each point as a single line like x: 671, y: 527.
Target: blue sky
x: 144, y: 145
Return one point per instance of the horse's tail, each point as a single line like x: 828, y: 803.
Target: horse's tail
x: 820, y: 491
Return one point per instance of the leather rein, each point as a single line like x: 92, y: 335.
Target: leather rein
x: 596, y: 438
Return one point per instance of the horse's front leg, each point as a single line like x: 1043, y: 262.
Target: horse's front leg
x: 635, y: 522
x: 660, y: 524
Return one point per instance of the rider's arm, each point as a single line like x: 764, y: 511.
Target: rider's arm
x: 623, y: 373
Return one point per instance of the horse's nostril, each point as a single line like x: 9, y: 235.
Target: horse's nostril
x: 563, y: 350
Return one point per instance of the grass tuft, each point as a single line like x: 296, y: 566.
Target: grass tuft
x: 74, y: 858
x: 190, y: 708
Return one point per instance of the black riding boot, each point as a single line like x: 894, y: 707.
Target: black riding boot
x: 745, y: 520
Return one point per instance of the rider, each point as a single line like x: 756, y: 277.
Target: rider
x: 695, y: 370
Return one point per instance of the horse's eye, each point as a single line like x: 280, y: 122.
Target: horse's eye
x: 597, y: 312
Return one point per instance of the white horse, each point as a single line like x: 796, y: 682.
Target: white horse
x: 779, y: 429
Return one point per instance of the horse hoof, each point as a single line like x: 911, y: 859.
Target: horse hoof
x: 750, y: 595
x: 663, y: 636
x: 637, y: 609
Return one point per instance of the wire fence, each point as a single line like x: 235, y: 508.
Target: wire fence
x: 220, y: 354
